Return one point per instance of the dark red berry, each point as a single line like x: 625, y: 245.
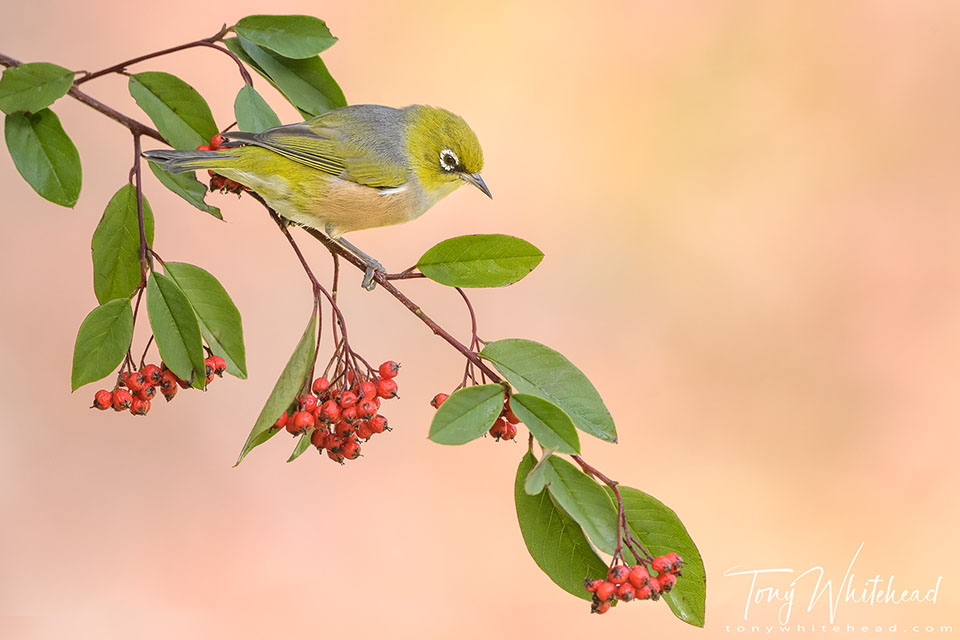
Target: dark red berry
x: 152, y: 373
x: 208, y: 364
x: 350, y: 449
x: 335, y: 455
x: 366, y: 409
x: 387, y: 388
x: 499, y: 428
x: 389, y: 369
x: 139, y: 407
x: 618, y: 574
x: 348, y: 399
x: 343, y: 429
x: 510, y: 431
x: 103, y: 400
x: 122, y: 400
x: 318, y: 438
x: 169, y: 391
x: 320, y: 385
x: 438, y: 400
x: 510, y: 416
x: 639, y: 576
x: 349, y: 415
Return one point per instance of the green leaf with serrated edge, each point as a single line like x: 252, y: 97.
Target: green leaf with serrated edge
x: 659, y: 529
x: 291, y: 36
x: 585, y: 501
x: 175, y: 329
x: 180, y: 113
x: 252, y: 111
x: 33, y: 86
x: 547, y: 422
x: 44, y: 155
x: 538, y: 476
x: 306, y: 83
x: 115, y: 245
x: 302, y: 444
x: 540, y: 371
x: 187, y: 187
x: 467, y: 414
x: 491, y: 260
x: 219, y: 318
x: 102, y: 342
x: 555, y: 542
x: 284, y: 392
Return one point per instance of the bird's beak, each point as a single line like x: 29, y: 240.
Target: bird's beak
x: 477, y: 181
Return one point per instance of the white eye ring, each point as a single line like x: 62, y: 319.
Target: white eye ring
x: 448, y: 160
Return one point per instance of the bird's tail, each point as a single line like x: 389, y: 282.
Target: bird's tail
x: 176, y: 161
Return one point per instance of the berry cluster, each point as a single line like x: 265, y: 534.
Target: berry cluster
x: 135, y: 389
x: 339, y: 416
x: 217, y: 181
x: 505, y: 427
x: 635, y: 582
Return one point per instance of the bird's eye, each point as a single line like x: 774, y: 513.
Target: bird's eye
x: 448, y: 160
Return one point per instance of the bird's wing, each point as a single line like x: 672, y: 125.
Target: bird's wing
x: 345, y: 143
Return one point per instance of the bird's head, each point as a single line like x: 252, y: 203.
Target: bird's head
x: 444, y: 151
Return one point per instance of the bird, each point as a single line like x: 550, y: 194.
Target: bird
x: 352, y: 168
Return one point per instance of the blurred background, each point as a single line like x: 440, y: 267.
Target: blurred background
x: 750, y: 218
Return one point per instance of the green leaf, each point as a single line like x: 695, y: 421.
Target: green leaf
x: 467, y: 414
x: 306, y: 83
x: 252, y: 111
x: 175, y: 329
x: 116, y: 245
x: 102, y: 342
x: 219, y: 318
x: 44, y: 155
x: 284, y: 392
x: 549, y: 424
x: 659, y: 529
x: 33, y: 86
x: 554, y: 540
x: 491, y: 260
x: 290, y: 36
x: 540, y: 371
x: 187, y: 187
x: 537, y: 478
x: 585, y: 501
x: 302, y: 444
x: 179, y: 112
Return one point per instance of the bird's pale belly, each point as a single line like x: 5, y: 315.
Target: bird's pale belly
x: 334, y: 205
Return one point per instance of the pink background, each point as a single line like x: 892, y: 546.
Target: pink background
x: 749, y: 215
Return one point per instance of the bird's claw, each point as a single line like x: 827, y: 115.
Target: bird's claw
x: 372, y: 267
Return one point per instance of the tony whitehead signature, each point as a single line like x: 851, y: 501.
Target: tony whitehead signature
x: 871, y: 592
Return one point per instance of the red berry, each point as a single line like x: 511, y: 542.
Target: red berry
x: 389, y: 369
x: 376, y: 401
x: 676, y: 563
x: 299, y: 422
x: 605, y: 590
x: 343, y: 429
x: 642, y: 593
x: 281, y: 421
x: 366, y: 409
x: 378, y: 424
x: 364, y: 430
x: 330, y: 411
x: 667, y: 581
x: 103, y: 400
x: 626, y: 592
x: 219, y: 365
x: 368, y: 389
x: 661, y: 564
x: 167, y: 379
x: 184, y: 384
x: 152, y: 373
x: 350, y: 449
x: 320, y: 385
x: 654, y: 586
x: 208, y: 363
x: 308, y: 402
x: 591, y: 584
x: 204, y: 147
x: 639, y: 576
x: 499, y: 428
x: 169, y: 392
x: 332, y: 442
x: 349, y: 414
x: 318, y: 438
x: 122, y: 400
x: 510, y: 416
x: 618, y: 574
x: 601, y: 608
x: 134, y: 381
x: 146, y: 392
x: 335, y: 455
x: 215, y: 141
x: 139, y: 407
x: 510, y: 431
x: 348, y: 399
x: 438, y: 400
x: 387, y: 388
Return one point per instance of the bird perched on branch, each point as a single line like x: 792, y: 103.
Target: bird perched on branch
x: 352, y: 168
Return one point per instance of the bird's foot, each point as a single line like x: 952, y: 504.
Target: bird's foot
x: 372, y: 267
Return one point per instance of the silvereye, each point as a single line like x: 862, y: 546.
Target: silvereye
x: 352, y: 168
